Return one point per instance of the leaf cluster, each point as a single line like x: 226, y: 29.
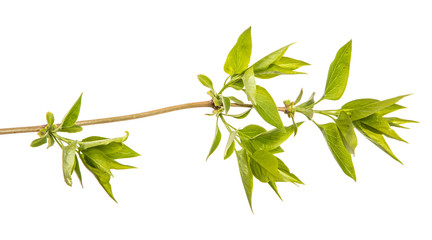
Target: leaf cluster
x: 98, y: 154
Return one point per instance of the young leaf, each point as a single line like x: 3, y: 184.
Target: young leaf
x: 73, y: 129
x: 299, y: 97
x: 375, y: 138
x: 100, y: 175
x: 274, y: 71
x: 264, y: 166
x: 230, y: 151
x: 265, y: 62
x: 38, y: 142
x: 69, y: 161
x: 241, y: 115
x: 266, y: 107
x: 90, y: 142
x: 78, y: 171
x: 98, y: 159
x: 306, y: 108
x: 390, y: 109
x: 276, y: 150
x: 272, y: 139
x: 216, y: 140
x: 124, y: 152
x: 362, y: 108
x: 274, y: 187
x: 245, y: 174
x: 290, y: 63
x: 229, y: 144
x: 346, y: 129
x: 337, y: 148
x: 239, y: 57
x: 71, y: 117
x: 252, y: 130
x: 337, y: 77
x: 226, y: 103
x: 381, y: 125
x: 204, y: 80
x: 50, y: 118
x: 286, y: 175
x: 250, y: 84
x: 50, y: 141
x: 396, y: 122
x: 236, y: 100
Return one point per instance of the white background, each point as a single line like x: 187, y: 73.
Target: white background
x: 134, y: 56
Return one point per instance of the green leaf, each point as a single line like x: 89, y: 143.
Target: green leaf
x: 73, y: 129
x: 390, y: 109
x: 72, y: 116
x: 250, y: 85
x: 362, y: 108
x: 102, y: 176
x: 375, y: 138
x: 241, y: 115
x: 306, y: 108
x: 274, y: 187
x: 266, y: 107
x: 250, y: 131
x: 264, y: 166
x: 204, y: 80
x: 239, y: 57
x: 299, y: 97
x: 381, y: 126
x: 226, y: 103
x: 236, y: 100
x: 124, y: 152
x: 50, y: 118
x: 290, y: 63
x: 337, y: 148
x: 216, y: 140
x: 228, y: 149
x: 274, y: 71
x: 78, y: 171
x: 337, y: 77
x: 265, y: 62
x: 286, y: 175
x: 245, y: 174
x: 396, y: 122
x: 90, y: 142
x: 276, y: 150
x: 68, y: 159
x: 272, y: 139
x: 38, y: 142
x: 50, y: 141
x: 346, y: 129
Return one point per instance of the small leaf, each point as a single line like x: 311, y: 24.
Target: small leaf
x: 252, y: 130
x: 50, y: 118
x: 71, y: 117
x: 250, y: 85
x: 69, y: 161
x: 286, y: 175
x: 89, y: 142
x: 381, y: 125
x: 390, y: 109
x: 375, y: 138
x: 306, y: 108
x: 239, y: 57
x: 272, y: 139
x: 276, y: 150
x: 346, y: 129
x: 38, y: 142
x: 97, y: 159
x: 338, y: 73
x: 264, y: 166
x: 274, y: 71
x: 73, y: 129
x: 50, y: 141
x: 228, y: 149
x: 78, y: 171
x: 274, y: 187
x: 265, y: 62
x: 226, y: 103
x: 337, y: 148
x: 362, y: 108
x: 216, y: 140
x: 124, y: 152
x: 245, y: 174
x: 396, y: 122
x: 241, y: 115
x: 290, y: 63
x: 299, y: 97
x: 266, y: 107
x: 204, y: 80
x: 236, y: 100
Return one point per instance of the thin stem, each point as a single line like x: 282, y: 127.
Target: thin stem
x: 126, y: 117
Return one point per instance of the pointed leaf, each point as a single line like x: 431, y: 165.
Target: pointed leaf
x: 69, y: 161
x: 226, y: 103
x: 89, y: 143
x: 390, y: 109
x: 38, y: 142
x: 239, y: 57
x: 274, y: 71
x: 286, y: 175
x: 337, y: 148
x: 98, y: 159
x: 265, y: 62
x: 250, y: 85
x: 396, y: 122
x: 50, y: 141
x: 204, y: 80
x: 375, y: 138
x: 245, y: 174
x: 337, y: 78
x: 264, y: 166
x: 272, y: 139
x: 71, y: 117
x: 346, y: 129
x: 228, y: 149
x: 78, y: 171
x: 381, y: 126
x: 274, y: 187
x: 50, y: 118
x: 241, y: 115
x: 299, y: 97
x: 73, y: 129
x: 266, y: 107
x: 236, y: 100
x: 216, y: 140
x: 124, y: 152
x: 290, y: 63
